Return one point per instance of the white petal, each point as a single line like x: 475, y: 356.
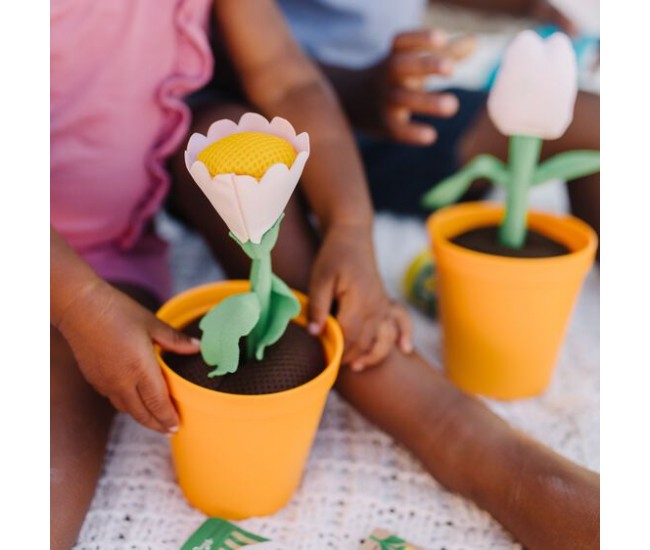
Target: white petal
x: 299, y: 164
x: 302, y: 142
x: 281, y: 127
x: 188, y: 161
x: 263, y: 202
x: 220, y: 191
x: 220, y: 129
x: 561, y: 96
x: 200, y: 173
x: 253, y: 122
x: 195, y: 145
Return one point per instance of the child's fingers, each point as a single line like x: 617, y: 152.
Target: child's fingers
x: 423, y: 103
x: 402, y: 129
x: 350, y: 319
x: 430, y: 39
x: 351, y: 332
x: 404, y: 327
x: 360, y: 346
x: 321, y: 296
x: 403, y: 66
x: 171, y: 339
x: 155, y: 397
x: 118, y: 403
x: 136, y: 408
x: 460, y: 47
x: 386, y: 336
x: 435, y: 41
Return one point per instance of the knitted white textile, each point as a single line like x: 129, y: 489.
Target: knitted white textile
x: 356, y: 478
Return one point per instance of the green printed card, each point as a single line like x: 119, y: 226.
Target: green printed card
x: 219, y: 534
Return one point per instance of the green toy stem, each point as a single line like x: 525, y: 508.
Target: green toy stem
x: 277, y: 303
x: 523, y: 156
x: 262, y: 314
x: 261, y: 277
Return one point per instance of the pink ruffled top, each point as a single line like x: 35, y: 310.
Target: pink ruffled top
x: 119, y: 72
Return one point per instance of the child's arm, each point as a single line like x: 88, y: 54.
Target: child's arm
x: 543, y: 499
x: 111, y: 337
x: 280, y: 80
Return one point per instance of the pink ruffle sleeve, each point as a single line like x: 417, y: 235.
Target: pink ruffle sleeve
x: 119, y: 73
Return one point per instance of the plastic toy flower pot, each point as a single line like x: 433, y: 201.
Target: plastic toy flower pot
x: 504, y: 319
x: 238, y: 456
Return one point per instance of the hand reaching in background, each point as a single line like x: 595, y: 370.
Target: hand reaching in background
x: 402, y: 75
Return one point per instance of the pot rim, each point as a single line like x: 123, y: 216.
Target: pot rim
x: 551, y: 225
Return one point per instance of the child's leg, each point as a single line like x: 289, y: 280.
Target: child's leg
x: 583, y: 133
x: 80, y: 421
x: 543, y: 499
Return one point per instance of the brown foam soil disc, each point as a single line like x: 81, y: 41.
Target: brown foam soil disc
x: 485, y: 239
x: 292, y: 361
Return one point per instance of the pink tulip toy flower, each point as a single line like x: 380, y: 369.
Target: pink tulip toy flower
x: 532, y: 99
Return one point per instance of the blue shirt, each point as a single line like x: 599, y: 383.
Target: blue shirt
x: 351, y: 33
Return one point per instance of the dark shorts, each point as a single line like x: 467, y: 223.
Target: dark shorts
x: 399, y: 175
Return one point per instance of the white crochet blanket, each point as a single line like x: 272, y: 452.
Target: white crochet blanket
x: 356, y: 478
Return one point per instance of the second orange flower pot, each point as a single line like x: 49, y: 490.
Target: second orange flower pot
x: 238, y: 456
x: 504, y: 319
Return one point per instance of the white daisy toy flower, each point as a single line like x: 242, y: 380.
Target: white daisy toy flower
x: 248, y: 170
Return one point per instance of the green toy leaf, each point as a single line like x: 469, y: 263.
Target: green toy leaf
x: 284, y: 306
x: 452, y: 188
x: 568, y: 166
x: 223, y: 326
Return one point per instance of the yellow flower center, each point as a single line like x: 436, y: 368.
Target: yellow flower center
x: 247, y: 153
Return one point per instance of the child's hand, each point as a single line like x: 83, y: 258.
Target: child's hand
x: 416, y: 55
x: 112, y: 338
x: 345, y: 271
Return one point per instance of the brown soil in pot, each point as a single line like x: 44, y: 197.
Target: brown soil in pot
x: 292, y: 361
x: 485, y: 239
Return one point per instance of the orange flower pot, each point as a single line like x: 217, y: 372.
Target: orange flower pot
x: 504, y: 319
x: 238, y: 456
